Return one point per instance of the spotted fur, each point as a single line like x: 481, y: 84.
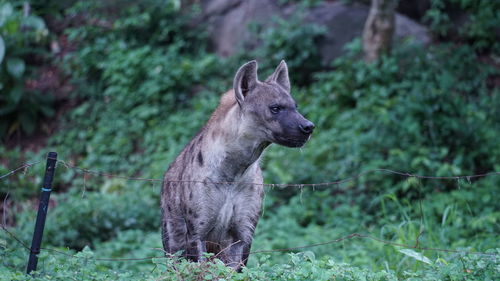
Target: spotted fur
x: 212, y: 193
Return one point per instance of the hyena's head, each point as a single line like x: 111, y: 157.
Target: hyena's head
x: 268, y: 110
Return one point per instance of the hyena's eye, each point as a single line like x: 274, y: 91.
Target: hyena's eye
x: 275, y: 109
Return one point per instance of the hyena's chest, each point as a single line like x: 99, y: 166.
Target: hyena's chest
x: 232, y: 208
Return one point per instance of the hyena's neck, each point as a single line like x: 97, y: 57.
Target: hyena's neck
x: 233, y: 149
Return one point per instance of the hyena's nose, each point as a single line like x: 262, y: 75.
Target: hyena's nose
x: 307, y: 128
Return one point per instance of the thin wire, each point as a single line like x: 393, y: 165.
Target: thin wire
x: 348, y: 237
x: 282, y: 185
x: 87, y: 171
x: 351, y: 236
x: 4, y: 228
x: 24, y: 166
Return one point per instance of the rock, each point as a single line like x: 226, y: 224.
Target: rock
x: 408, y: 28
x: 228, y: 20
x: 227, y: 23
x: 344, y: 22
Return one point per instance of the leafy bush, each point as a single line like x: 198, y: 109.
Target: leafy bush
x: 24, y: 183
x: 480, y: 27
x: 292, y: 40
x: 407, y: 113
x: 137, y: 83
x: 298, y: 267
x: 79, y: 220
x: 21, y: 36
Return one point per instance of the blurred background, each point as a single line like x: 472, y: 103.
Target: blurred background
x: 121, y: 86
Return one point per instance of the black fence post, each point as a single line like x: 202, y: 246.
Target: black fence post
x: 42, y: 211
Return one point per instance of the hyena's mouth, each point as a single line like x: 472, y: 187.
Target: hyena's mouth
x: 291, y: 141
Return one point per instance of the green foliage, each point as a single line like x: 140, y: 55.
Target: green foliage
x: 302, y: 266
x: 293, y: 40
x: 145, y: 83
x: 464, y: 219
x: 462, y: 268
x: 81, y: 219
x: 136, y: 83
x: 480, y: 26
x: 407, y: 112
x: 25, y: 183
x: 21, y: 36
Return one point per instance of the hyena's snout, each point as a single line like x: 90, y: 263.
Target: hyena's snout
x: 296, y: 131
x: 306, y: 127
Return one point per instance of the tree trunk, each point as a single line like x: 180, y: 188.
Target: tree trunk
x: 379, y: 28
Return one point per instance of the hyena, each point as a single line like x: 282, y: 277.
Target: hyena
x: 212, y: 193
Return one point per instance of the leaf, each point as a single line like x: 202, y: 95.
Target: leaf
x: 16, y: 67
x: 11, y: 27
x: 309, y: 255
x: 445, y: 215
x: 15, y: 94
x: 5, y: 12
x: 416, y: 255
x: 2, y: 49
x: 34, y: 22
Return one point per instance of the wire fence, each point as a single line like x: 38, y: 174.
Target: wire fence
x: 280, y: 185
x: 416, y: 245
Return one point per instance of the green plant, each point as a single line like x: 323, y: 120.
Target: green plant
x: 22, y: 184
x: 303, y: 266
x: 407, y: 113
x: 292, y: 40
x: 82, y: 219
x: 22, y: 36
x: 479, y: 28
x: 138, y: 82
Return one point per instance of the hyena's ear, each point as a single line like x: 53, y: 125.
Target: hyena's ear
x: 245, y: 80
x: 280, y: 76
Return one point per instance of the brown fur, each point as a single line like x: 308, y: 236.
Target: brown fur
x: 212, y: 193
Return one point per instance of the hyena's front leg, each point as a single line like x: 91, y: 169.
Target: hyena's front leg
x: 246, y: 253
x: 241, y: 231
x: 195, y: 250
x: 236, y: 255
x: 177, y: 236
